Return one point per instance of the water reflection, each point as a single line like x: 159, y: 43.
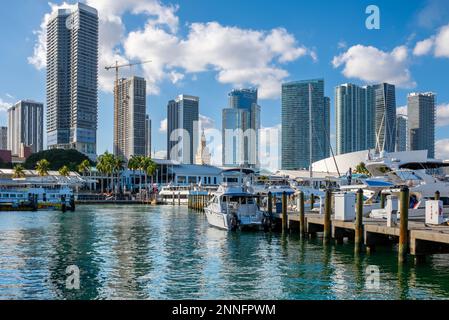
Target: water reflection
x: 166, y: 252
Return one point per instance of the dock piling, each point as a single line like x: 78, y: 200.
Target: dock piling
x: 327, y: 216
x: 302, y: 226
x: 403, y: 228
x: 270, y: 203
x: 382, y: 200
x: 358, y: 232
x: 437, y: 195
x: 284, y: 212
x: 312, y: 201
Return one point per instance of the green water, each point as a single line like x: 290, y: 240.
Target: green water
x: 165, y: 252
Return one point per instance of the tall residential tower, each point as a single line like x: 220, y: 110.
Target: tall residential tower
x: 72, y: 76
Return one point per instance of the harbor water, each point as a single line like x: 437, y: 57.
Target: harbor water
x: 169, y: 252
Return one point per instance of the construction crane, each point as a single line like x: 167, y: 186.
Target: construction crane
x: 116, y: 98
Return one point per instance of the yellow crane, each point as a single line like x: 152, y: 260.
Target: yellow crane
x: 117, y: 67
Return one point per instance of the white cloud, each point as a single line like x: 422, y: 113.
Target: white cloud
x: 437, y: 44
x: 372, y: 65
x: 161, y: 154
x: 401, y: 110
x: 443, y: 115
x: 163, y: 126
x: 423, y: 47
x: 4, y: 105
x: 206, y: 122
x: 442, y: 149
x: 240, y: 57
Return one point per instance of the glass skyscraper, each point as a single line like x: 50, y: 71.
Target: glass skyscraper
x: 296, y: 123
x: 240, y: 125
x: 401, y: 133
x: 182, y: 128
x: 421, y: 122
x: 72, y: 76
x: 354, y: 119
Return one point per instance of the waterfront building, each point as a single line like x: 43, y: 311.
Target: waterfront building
x: 240, y: 129
x: 383, y: 98
x: 203, y: 156
x: 147, y: 136
x: 3, y: 138
x: 182, y: 128
x: 72, y: 76
x: 299, y: 117
x: 421, y: 122
x: 130, y: 118
x: 354, y: 119
x: 401, y: 133
x: 25, y: 127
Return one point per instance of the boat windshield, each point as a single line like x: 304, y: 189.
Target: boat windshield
x: 406, y: 175
x: 239, y: 199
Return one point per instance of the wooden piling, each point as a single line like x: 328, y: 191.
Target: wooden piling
x: 382, y: 200
x: 302, y: 224
x: 358, y: 230
x: 403, y: 226
x: 312, y: 201
x: 179, y: 198
x: 270, y: 203
x: 437, y: 195
x: 173, y: 198
x: 327, y: 216
x: 284, y: 212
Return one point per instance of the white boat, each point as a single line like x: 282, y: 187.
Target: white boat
x: 178, y: 193
x: 234, y: 207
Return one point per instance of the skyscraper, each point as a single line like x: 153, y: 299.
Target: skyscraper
x: 147, y: 136
x: 401, y: 133
x: 203, y: 156
x: 25, y: 126
x: 421, y: 122
x: 72, y: 76
x: 182, y: 128
x: 354, y: 119
x: 304, y: 105
x: 383, y: 97
x: 130, y: 110
x: 240, y: 125
x: 3, y: 138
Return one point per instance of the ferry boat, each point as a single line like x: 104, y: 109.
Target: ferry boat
x: 23, y: 195
x: 234, y: 207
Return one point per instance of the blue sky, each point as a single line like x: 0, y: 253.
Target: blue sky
x: 259, y: 43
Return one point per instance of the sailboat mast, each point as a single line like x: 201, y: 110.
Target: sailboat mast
x: 310, y: 131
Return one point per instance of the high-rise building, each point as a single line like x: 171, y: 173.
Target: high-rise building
x: 182, y: 128
x: 25, y: 126
x: 240, y: 125
x: 129, y: 120
x: 3, y: 138
x: 401, y: 133
x: 147, y: 136
x: 421, y: 122
x: 72, y: 76
x: 383, y: 97
x: 304, y: 105
x: 354, y: 119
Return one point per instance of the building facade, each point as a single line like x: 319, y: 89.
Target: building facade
x: 3, y: 138
x: 354, y: 119
x: 383, y: 97
x: 401, y: 133
x: 203, y: 156
x: 72, y: 77
x: 240, y: 126
x: 304, y: 105
x: 130, y: 117
x: 147, y: 136
x: 421, y: 122
x: 25, y: 127
x: 182, y: 128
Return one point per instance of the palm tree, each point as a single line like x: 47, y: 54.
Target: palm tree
x: 64, y: 171
x: 141, y: 166
x: 42, y: 167
x: 118, y: 166
x: 102, y: 167
x: 84, y: 167
x: 133, y: 164
x: 150, y: 169
x: 19, y: 171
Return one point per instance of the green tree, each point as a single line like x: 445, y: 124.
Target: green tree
x: 84, y: 167
x: 133, y: 164
x: 361, y: 169
x: 149, y: 169
x: 42, y: 167
x: 57, y: 158
x: 64, y: 171
x: 105, y: 166
x: 19, y: 171
x: 118, y: 166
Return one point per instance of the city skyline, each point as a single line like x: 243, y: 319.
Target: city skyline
x: 332, y: 64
